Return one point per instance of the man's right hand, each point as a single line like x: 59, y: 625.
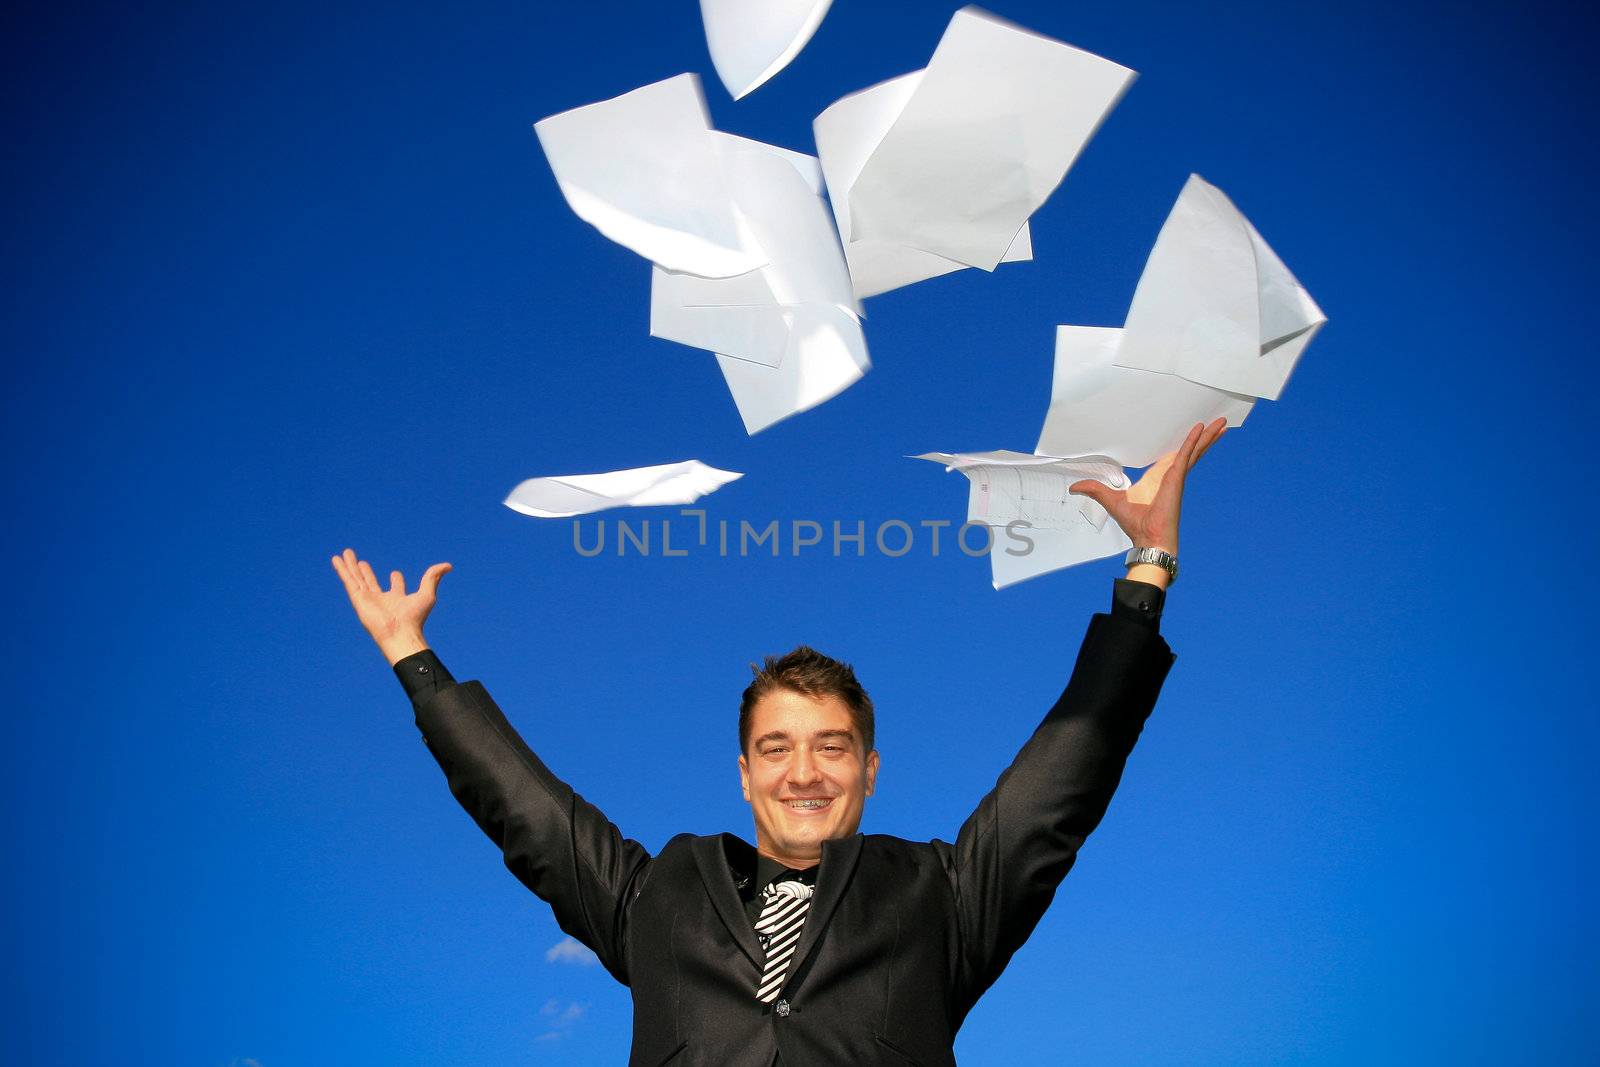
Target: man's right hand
x: 393, y: 617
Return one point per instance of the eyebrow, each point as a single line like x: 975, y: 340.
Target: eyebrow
x: 782, y: 735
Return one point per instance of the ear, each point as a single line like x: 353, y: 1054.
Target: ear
x: 872, y: 771
x: 744, y: 778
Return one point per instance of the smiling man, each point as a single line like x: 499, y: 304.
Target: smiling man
x: 807, y: 761
x: 820, y: 945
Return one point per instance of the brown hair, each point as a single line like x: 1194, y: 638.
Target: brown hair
x: 805, y: 670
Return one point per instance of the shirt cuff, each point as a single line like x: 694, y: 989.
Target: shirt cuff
x: 422, y: 675
x: 1139, y: 601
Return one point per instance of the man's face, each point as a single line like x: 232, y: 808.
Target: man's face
x: 805, y: 773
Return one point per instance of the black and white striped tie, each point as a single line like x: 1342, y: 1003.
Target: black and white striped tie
x: 783, y: 913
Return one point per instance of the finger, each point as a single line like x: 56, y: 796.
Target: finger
x: 351, y: 586
x: 1212, y: 437
x: 353, y: 565
x: 1099, y: 492
x: 1212, y: 434
x: 369, y: 579
x: 397, y: 583
x: 1190, y: 443
x: 1182, y: 460
x: 429, y: 584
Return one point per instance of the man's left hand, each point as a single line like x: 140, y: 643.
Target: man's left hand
x: 1148, y: 510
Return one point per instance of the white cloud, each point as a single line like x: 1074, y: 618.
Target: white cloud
x: 563, y: 1015
x: 569, y: 951
x: 560, y: 1016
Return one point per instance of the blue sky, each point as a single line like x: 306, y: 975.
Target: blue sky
x: 282, y: 279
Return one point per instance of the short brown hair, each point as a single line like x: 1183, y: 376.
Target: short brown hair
x: 805, y: 670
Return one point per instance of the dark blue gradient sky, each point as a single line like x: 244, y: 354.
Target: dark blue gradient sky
x: 284, y: 278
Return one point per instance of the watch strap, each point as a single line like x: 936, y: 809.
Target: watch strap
x: 1160, y: 557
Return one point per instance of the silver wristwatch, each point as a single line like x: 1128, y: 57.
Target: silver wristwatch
x: 1165, y: 560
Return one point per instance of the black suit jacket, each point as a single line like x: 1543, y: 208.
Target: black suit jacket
x: 902, y: 937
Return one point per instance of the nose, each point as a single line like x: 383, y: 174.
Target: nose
x: 803, y: 768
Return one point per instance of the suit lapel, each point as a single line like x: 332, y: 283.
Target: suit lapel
x: 838, y: 867
x: 712, y: 855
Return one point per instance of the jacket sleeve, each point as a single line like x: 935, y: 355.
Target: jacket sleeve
x: 1015, y: 849
x: 559, y: 845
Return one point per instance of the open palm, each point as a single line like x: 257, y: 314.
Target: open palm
x: 392, y: 616
x: 1148, y: 510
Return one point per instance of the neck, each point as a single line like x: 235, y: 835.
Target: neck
x: 794, y: 863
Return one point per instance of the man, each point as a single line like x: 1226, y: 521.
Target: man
x: 820, y: 945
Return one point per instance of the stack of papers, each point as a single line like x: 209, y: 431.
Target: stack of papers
x: 747, y: 264
x: 940, y: 169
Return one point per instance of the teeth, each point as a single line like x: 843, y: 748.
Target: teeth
x: 807, y: 804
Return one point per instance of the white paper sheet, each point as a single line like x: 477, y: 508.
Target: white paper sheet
x: 1056, y: 528
x: 757, y: 333
x: 846, y: 133
x: 564, y: 495
x: 1215, y: 304
x: 747, y: 317
x: 826, y: 354
x: 751, y: 40
x: 1135, y: 416
x: 777, y: 193
x: 641, y: 169
x: 787, y: 336
x: 979, y: 142
x: 740, y: 316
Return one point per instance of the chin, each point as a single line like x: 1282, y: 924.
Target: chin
x: 804, y: 846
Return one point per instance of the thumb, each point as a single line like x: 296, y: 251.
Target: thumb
x: 1099, y: 492
x: 429, y: 583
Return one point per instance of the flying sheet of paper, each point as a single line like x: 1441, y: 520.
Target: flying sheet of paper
x: 826, y: 354
x: 578, y: 494
x: 751, y: 40
x: 846, y: 133
x: 1215, y: 304
x: 778, y: 193
x: 641, y: 169
x: 1039, y: 525
x: 980, y: 141
x: 787, y: 336
x: 1134, y: 416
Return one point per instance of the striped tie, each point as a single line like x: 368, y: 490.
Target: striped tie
x: 783, y: 913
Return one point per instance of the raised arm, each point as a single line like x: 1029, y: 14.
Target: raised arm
x: 556, y: 843
x: 1014, y: 850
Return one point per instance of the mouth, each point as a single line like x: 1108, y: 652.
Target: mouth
x: 807, y: 805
